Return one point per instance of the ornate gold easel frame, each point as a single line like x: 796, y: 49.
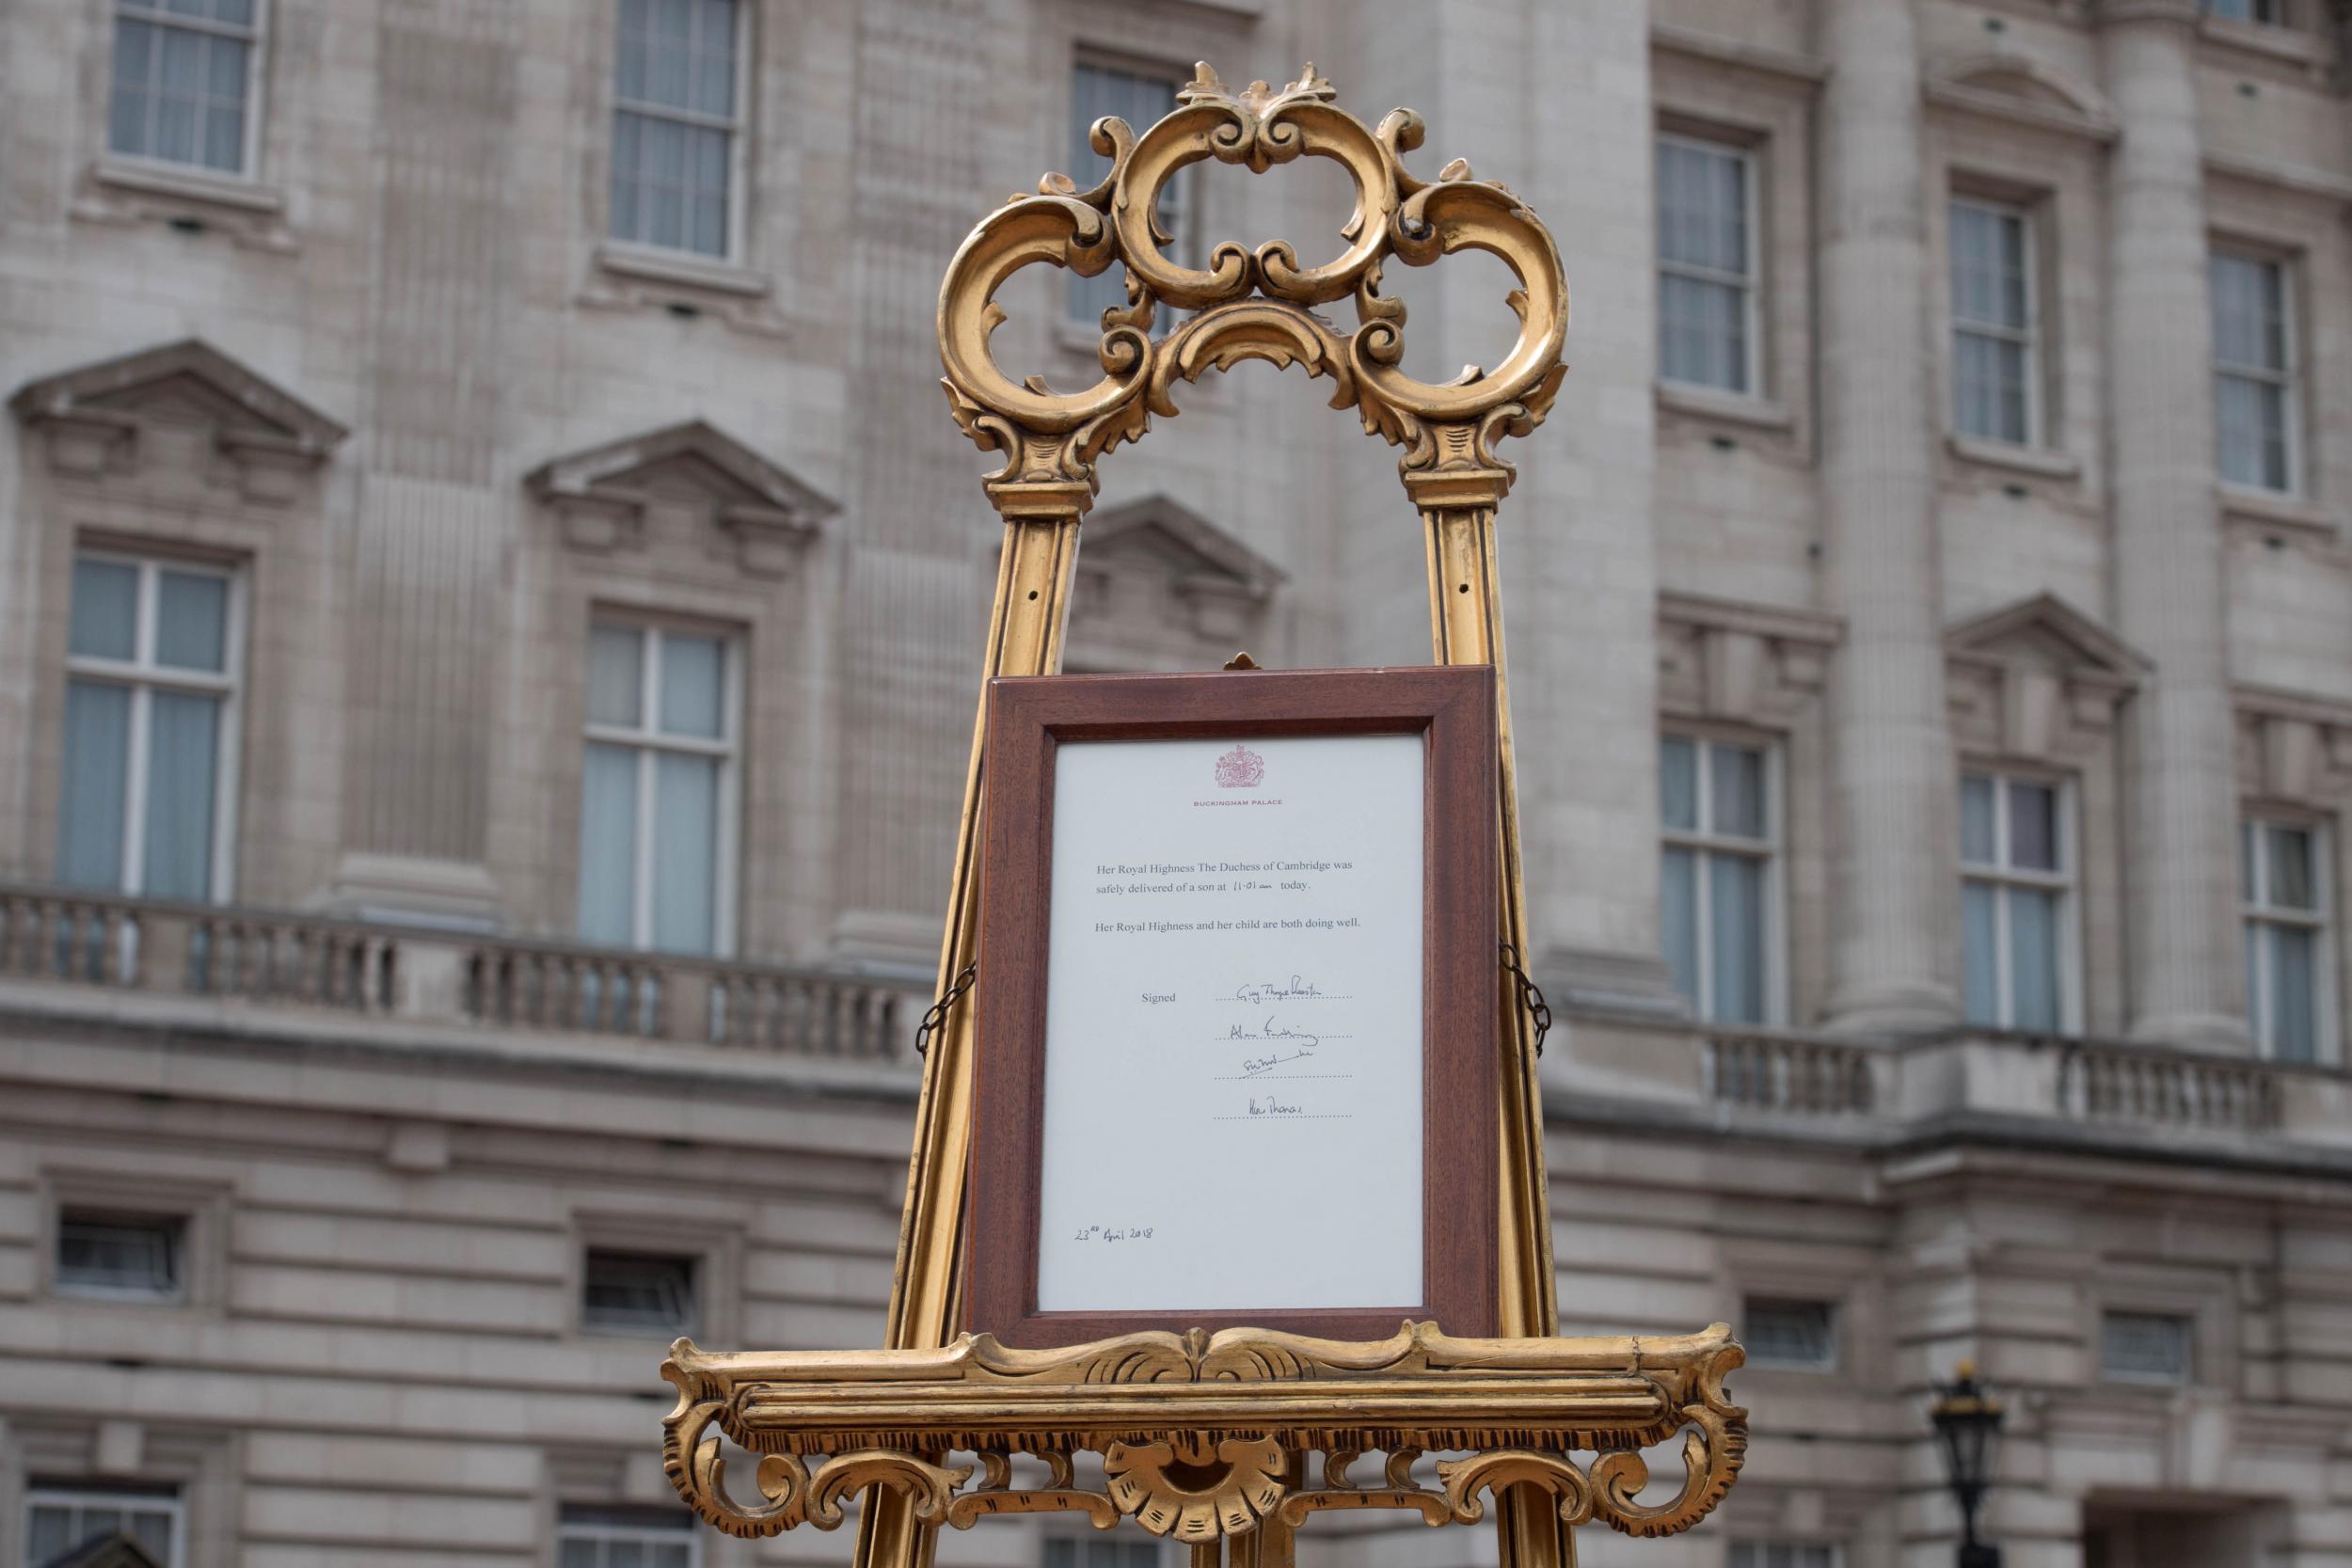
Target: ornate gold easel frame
x: 1206, y: 1438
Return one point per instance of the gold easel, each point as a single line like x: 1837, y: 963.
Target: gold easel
x: 1251, y: 1403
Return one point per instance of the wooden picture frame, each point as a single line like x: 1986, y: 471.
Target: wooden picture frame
x: 1450, y: 711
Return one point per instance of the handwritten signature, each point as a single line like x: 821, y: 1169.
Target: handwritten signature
x: 1273, y: 990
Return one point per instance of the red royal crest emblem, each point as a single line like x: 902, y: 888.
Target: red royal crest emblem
x: 1240, y: 769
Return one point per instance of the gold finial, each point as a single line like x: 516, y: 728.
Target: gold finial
x: 1242, y: 661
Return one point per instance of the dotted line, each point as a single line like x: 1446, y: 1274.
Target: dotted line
x: 1281, y: 1078
x: 1323, y: 1117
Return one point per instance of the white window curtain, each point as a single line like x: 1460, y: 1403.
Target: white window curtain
x: 2288, y: 899
x: 675, y: 122
x: 2253, y: 371
x: 148, y: 720
x: 656, y: 789
x: 182, y: 81
x: 1141, y: 99
x: 2016, y: 903
x: 1992, y: 322
x: 1706, y: 265
x: 1716, y: 875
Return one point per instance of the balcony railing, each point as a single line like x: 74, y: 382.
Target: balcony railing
x: 1791, y: 1072
x: 278, y: 956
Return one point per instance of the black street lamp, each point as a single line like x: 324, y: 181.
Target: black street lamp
x: 1968, y: 1420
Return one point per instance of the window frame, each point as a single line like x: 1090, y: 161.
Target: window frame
x: 157, y: 1498
x: 2002, y: 877
x: 648, y: 741
x: 2029, y: 336
x: 2260, y: 916
x: 697, y: 1268
x: 1750, y: 283
x: 1185, y: 189
x: 738, y: 129
x: 249, y: 169
x: 614, y: 1532
x: 181, y: 1226
x: 143, y: 676
x: 1832, y: 1310
x: 1704, y: 843
x: 2288, y: 377
x: 2189, y: 1327
x: 2283, y: 13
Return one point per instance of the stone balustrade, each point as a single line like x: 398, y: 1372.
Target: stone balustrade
x: 301, y: 959
x: 1786, y: 1072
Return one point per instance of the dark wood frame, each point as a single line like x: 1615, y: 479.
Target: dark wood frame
x: 1454, y: 706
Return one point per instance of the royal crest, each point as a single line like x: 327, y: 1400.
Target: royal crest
x: 1240, y: 769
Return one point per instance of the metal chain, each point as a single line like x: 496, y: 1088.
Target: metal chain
x: 935, y: 1016
x: 1531, y: 996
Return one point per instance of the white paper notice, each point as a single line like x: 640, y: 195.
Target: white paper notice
x: 1233, y: 1026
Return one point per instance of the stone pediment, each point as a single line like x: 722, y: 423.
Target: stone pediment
x: 105, y: 1551
x: 94, y: 412
x: 1164, y: 536
x: 2045, y: 632
x: 2037, y: 678
x: 603, y: 493
x: 2018, y: 88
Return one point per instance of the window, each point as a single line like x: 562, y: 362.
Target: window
x: 637, y: 1292
x: 2270, y: 13
x: 1141, y: 99
x: 150, y: 730
x: 2144, y: 1347
x: 1706, y: 299
x: 2253, y: 371
x: 2016, y: 856
x: 1101, y: 1551
x: 183, y: 82
x: 676, y: 119
x: 1780, y: 1554
x: 2289, y: 998
x: 1995, y: 392
x: 1716, y: 877
x: 140, y: 1257
x: 1793, y: 1334
x: 594, y: 1537
x: 658, y: 790
x: 62, y: 1515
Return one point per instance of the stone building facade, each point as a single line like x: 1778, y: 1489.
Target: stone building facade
x: 488, y: 607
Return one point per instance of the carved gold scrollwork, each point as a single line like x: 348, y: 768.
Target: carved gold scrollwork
x: 1204, y: 1437
x: 1194, y: 1487
x: 1251, y: 305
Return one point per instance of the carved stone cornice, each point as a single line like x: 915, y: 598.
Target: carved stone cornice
x: 1251, y: 305
x: 601, y: 494
x: 1246, y: 1407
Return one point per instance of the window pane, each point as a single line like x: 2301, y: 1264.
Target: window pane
x: 692, y: 685
x: 1679, y: 920
x: 685, y: 853
x: 126, y: 124
x: 2294, y: 993
x: 637, y: 1290
x: 1703, y: 207
x: 2255, y: 934
x: 182, y: 767
x: 1975, y: 820
x: 192, y: 621
x: 224, y: 120
x: 714, y: 62
x: 2033, y: 936
x: 2245, y: 884
x: 48, y: 1531
x: 1679, y: 784
x: 182, y: 58
x: 2290, y: 867
x: 608, y: 845
x: 1981, y: 984
x: 2249, y: 313
x: 97, y: 776
x: 1702, y: 329
x: 616, y: 682
x: 106, y: 609
x: 625, y: 1554
x: 2032, y: 827
x: 153, y: 1530
x: 1988, y: 390
x: 1736, y: 914
x: 2144, y: 1347
x: 1789, y: 1333
x: 1736, y: 783
x: 118, y: 1254
x: 577, y: 1552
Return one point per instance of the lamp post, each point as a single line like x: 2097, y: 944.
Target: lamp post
x: 1968, y: 1422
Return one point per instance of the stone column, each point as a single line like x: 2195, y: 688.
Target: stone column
x: 1892, y: 806
x: 2181, y: 796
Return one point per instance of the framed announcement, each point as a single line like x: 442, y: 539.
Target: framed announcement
x: 1237, y: 1005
